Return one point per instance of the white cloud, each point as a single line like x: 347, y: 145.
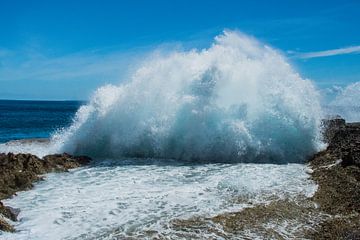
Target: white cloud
x: 327, y: 53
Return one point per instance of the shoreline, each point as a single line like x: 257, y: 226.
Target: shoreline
x: 333, y: 212
x: 336, y: 170
x: 335, y: 204
x: 19, y: 171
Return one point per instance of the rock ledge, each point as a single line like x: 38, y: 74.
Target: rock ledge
x: 337, y: 173
x: 18, y: 172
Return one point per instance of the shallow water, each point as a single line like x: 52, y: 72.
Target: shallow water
x: 132, y: 197
x: 237, y: 100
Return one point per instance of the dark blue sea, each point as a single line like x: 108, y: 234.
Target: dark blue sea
x: 34, y: 119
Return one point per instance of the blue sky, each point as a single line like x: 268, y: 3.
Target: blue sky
x: 66, y: 49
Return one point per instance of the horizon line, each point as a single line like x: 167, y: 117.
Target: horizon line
x: 44, y: 100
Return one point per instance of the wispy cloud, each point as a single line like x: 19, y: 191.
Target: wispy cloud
x: 328, y: 53
x: 37, y: 66
x: 38, y: 74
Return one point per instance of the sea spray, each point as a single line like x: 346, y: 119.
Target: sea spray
x: 237, y: 101
x: 346, y: 103
x: 112, y: 200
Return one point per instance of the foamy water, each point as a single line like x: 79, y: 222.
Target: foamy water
x: 346, y: 103
x: 33, y: 146
x: 131, y: 199
x: 237, y: 101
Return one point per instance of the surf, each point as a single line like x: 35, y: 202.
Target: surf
x: 237, y: 101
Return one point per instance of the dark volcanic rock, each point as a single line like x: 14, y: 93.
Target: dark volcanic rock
x: 331, y: 127
x: 19, y: 171
x: 63, y: 162
x: 344, y: 141
x: 337, y: 172
x: 5, y: 226
x: 9, y: 212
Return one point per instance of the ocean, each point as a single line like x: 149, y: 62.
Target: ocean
x: 132, y: 197
x: 34, y: 119
x: 190, y: 138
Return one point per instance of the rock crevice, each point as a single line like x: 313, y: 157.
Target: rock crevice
x: 337, y: 173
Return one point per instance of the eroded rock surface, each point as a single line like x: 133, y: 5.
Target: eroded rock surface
x: 18, y: 172
x: 337, y: 172
x: 332, y: 213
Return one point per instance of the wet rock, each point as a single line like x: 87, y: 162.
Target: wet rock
x: 344, y: 141
x: 338, y: 228
x: 63, y: 162
x: 9, y: 212
x: 18, y: 172
x: 331, y: 127
x: 5, y: 226
x: 337, y: 172
x: 253, y: 222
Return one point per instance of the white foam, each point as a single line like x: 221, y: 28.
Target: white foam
x: 347, y: 103
x: 92, y: 202
x: 37, y: 148
x: 238, y: 100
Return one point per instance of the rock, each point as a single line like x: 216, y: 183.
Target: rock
x: 5, y: 226
x: 19, y: 171
x: 16, y: 174
x: 9, y: 212
x: 336, y: 170
x: 331, y: 126
x: 343, y: 140
x: 346, y: 144
x: 63, y: 162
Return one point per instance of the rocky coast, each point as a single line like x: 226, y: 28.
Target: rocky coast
x: 336, y: 170
x: 333, y: 212
x: 18, y: 172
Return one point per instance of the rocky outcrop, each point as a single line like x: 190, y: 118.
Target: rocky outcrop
x: 5, y: 226
x: 331, y: 127
x: 337, y: 173
x: 332, y: 213
x: 18, y: 172
x: 9, y: 212
x: 343, y: 141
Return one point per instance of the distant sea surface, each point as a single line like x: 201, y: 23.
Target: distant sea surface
x: 34, y: 119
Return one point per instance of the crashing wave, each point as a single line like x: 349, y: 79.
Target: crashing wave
x: 237, y: 101
x: 347, y: 103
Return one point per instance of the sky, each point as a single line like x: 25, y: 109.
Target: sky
x: 64, y: 50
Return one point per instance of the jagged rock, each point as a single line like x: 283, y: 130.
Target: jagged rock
x: 9, y: 212
x: 337, y: 172
x: 331, y: 127
x: 343, y: 139
x: 63, y: 162
x: 5, y: 226
x: 16, y: 174
x: 19, y: 171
